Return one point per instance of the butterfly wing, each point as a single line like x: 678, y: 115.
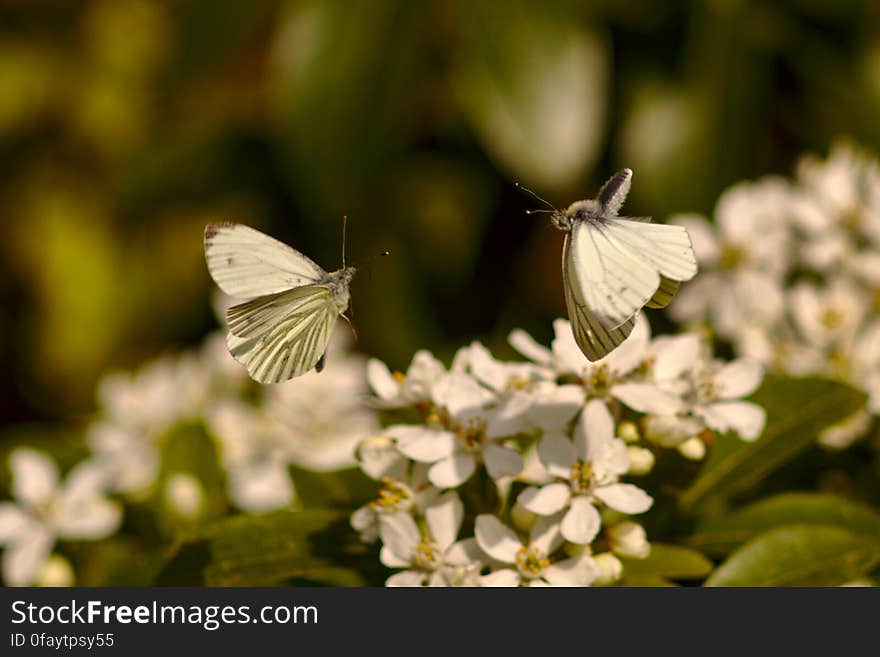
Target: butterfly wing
x: 594, y: 339
x: 246, y: 263
x: 605, y: 275
x: 614, y: 191
x: 282, y: 335
x: 664, y: 293
x: 666, y: 247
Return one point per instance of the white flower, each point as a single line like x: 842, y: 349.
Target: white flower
x: 717, y: 388
x: 587, y: 472
x: 130, y: 458
x: 845, y: 189
x: 473, y: 433
x: 321, y: 415
x: 253, y: 454
x: 410, y: 491
x: 401, y: 390
x: 531, y: 563
x: 610, y: 377
x: 434, y: 558
x: 45, y: 510
x: 828, y: 316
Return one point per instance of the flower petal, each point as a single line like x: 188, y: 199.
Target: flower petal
x: 13, y: 522
x: 594, y: 430
x: 506, y: 577
x: 577, y: 571
x: 674, y: 355
x: 581, y: 522
x: 452, y: 471
x: 444, y: 517
x: 502, y: 461
x: 97, y: 518
x: 495, y: 539
x: 34, y: 476
x: 399, y: 534
x: 647, y: 398
x: 423, y: 444
x: 526, y: 345
x: 381, y: 381
x: 557, y: 454
x: 553, y: 406
x: 23, y: 559
x: 746, y: 418
x: 459, y: 393
x: 464, y: 552
x: 545, y: 534
x: 625, y: 498
x: 546, y: 500
x: 739, y: 378
x: 406, y: 578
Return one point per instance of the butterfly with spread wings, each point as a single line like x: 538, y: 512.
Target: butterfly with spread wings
x: 614, y: 266
x: 283, y: 328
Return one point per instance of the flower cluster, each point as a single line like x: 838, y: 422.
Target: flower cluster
x: 314, y: 422
x: 533, y: 455
x: 790, y: 274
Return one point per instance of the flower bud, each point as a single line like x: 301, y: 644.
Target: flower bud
x: 57, y: 571
x: 522, y: 518
x: 641, y: 460
x: 628, y: 431
x: 628, y: 539
x: 670, y: 430
x: 183, y: 495
x: 693, y: 449
x: 609, y: 567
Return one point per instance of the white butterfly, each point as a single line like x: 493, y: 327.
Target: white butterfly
x: 613, y: 266
x: 284, y: 328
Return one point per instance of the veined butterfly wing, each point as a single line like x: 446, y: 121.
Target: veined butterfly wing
x: 282, y: 335
x: 605, y: 275
x: 246, y: 263
x: 592, y: 336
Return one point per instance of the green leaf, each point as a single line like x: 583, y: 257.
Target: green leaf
x: 646, y: 581
x: 346, y: 489
x: 668, y: 561
x: 268, y: 549
x: 720, y: 535
x: 799, y: 555
x: 797, y: 411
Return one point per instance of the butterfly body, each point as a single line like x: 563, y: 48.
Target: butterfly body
x: 614, y: 266
x: 290, y: 304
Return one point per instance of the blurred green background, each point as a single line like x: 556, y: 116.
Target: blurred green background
x: 127, y: 125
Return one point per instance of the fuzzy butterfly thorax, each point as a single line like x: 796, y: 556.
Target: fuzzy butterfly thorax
x: 338, y: 282
x: 587, y: 210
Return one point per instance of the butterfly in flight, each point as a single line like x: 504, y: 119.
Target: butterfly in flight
x: 282, y: 328
x: 614, y: 266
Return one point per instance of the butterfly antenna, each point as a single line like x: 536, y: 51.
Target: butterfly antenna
x: 344, y: 224
x: 544, y: 201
